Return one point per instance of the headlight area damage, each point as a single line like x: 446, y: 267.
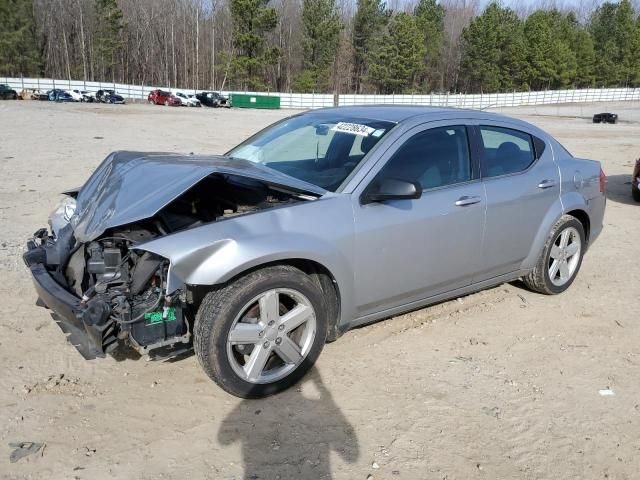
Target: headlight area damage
x: 103, y: 290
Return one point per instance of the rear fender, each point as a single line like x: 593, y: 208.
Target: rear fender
x: 549, y: 220
x: 568, y: 202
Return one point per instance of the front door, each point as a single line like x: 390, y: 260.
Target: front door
x: 409, y: 250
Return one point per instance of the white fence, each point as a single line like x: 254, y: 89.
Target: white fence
x: 316, y: 100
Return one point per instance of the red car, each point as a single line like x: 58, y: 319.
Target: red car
x: 160, y: 97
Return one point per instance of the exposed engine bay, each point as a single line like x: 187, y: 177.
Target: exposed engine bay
x: 122, y: 290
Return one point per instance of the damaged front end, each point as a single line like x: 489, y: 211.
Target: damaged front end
x: 105, y: 291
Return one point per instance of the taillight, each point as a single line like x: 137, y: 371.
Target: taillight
x: 603, y: 181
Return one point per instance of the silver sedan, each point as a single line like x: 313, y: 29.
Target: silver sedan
x: 322, y: 222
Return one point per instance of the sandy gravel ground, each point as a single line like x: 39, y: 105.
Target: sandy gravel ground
x: 499, y: 384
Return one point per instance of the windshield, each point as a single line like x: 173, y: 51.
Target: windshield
x: 319, y: 148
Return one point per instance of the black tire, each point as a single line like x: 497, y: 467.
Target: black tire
x: 635, y: 193
x: 218, y: 311
x: 538, y: 279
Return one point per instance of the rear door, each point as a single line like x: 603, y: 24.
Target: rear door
x: 521, y: 182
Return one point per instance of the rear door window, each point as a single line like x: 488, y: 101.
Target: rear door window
x: 505, y: 151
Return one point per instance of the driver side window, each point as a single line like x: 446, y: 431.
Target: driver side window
x: 433, y: 158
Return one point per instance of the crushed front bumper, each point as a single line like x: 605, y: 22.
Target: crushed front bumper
x: 85, y: 325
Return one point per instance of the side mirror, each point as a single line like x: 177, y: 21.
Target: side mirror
x: 393, y: 189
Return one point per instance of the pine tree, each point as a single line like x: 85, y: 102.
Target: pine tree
x: 616, y: 38
x: 19, y: 52
x: 430, y: 21
x: 109, y: 41
x: 321, y: 28
x: 494, y: 53
x: 252, y: 20
x: 395, y: 62
x: 628, y: 41
x: 581, y: 45
x: 371, y: 17
x: 552, y: 61
x: 514, y: 67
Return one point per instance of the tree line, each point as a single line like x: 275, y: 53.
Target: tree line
x: 366, y: 46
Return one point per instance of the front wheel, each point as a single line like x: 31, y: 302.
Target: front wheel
x: 635, y: 192
x: 261, y: 333
x: 561, y: 258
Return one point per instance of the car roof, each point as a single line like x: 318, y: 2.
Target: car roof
x: 400, y: 113
x: 404, y: 113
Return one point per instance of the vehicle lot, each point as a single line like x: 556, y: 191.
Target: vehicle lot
x: 499, y: 384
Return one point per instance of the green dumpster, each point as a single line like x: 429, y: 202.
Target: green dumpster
x: 242, y: 100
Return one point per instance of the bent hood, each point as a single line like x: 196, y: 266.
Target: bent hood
x: 131, y: 186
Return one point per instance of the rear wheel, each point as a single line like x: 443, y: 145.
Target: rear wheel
x: 261, y: 333
x: 561, y: 258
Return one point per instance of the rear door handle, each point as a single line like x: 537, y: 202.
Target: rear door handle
x: 547, y: 184
x: 464, y: 201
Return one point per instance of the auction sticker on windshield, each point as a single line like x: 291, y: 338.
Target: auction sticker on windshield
x: 354, y: 128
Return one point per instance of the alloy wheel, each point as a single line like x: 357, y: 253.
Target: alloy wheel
x: 564, y: 257
x: 271, y: 336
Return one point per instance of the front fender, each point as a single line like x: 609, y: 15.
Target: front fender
x: 224, y: 259
x: 320, y: 231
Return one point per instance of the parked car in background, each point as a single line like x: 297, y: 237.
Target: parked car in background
x: 173, y: 101
x: 257, y: 257
x: 88, y: 97
x: 605, y: 118
x: 39, y: 95
x: 109, y: 96
x: 82, y: 95
x: 635, y: 181
x: 7, y: 93
x: 158, y: 97
x: 76, y: 95
x: 58, y: 95
x: 52, y: 94
x: 186, y: 100
x: 213, y: 99
x: 27, y: 94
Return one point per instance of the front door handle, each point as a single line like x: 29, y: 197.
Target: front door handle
x: 464, y: 201
x: 547, y: 184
